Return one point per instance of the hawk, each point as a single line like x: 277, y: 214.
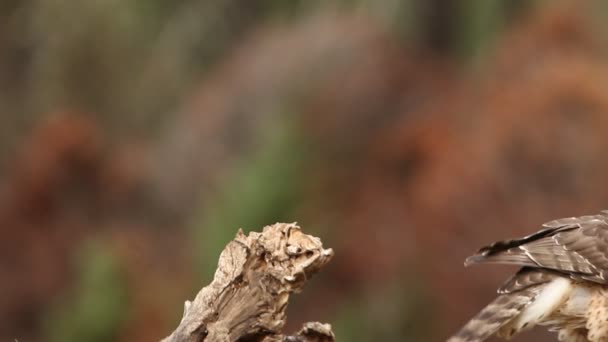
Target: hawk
x: 563, y: 283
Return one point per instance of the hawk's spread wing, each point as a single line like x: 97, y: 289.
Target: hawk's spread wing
x: 577, y: 246
x: 516, y: 294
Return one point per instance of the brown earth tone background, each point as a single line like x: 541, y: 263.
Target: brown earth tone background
x: 136, y: 137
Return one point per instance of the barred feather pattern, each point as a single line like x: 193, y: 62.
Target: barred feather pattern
x: 527, y: 277
x: 563, y: 283
x: 577, y: 246
x: 494, y: 316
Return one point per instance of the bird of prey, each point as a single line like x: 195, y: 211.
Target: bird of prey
x: 563, y: 283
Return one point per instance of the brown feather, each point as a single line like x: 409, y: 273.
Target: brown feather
x: 577, y: 246
x: 494, y: 316
x: 527, y: 277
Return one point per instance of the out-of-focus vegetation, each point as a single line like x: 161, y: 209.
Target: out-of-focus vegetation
x: 271, y: 173
x: 97, y: 306
x: 136, y: 137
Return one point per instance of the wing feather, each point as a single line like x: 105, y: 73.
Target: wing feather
x: 494, y: 316
x: 577, y: 246
x: 527, y: 277
x: 519, y: 291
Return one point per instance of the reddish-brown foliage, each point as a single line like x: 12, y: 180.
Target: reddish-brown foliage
x: 417, y: 161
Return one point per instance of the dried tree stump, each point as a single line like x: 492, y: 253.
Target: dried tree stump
x: 247, y: 299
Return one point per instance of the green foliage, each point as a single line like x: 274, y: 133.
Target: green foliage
x: 399, y: 312
x: 480, y: 21
x: 263, y: 189
x: 96, y: 306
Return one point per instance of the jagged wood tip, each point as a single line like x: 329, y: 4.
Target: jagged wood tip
x: 248, y: 297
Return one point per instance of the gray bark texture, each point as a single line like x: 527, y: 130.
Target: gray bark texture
x: 248, y: 297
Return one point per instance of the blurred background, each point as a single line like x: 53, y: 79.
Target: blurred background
x: 137, y: 136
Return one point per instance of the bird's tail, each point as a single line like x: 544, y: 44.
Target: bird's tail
x: 495, y: 316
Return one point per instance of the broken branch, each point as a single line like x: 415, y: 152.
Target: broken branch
x: 248, y: 297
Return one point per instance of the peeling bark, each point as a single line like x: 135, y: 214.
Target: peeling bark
x: 248, y: 297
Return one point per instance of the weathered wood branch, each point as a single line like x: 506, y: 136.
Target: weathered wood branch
x: 248, y: 297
